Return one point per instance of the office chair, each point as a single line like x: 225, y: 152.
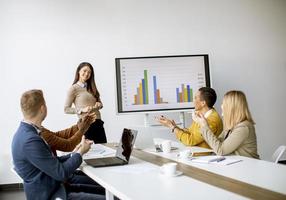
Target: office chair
x: 278, y: 153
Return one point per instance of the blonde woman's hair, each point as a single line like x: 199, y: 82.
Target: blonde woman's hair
x: 31, y: 102
x: 235, y: 109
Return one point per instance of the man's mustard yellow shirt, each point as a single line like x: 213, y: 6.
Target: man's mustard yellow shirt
x: 192, y: 136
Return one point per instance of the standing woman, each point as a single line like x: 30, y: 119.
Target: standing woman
x: 239, y: 136
x: 86, y: 98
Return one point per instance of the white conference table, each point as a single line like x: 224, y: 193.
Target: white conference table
x: 140, y: 180
x: 143, y: 180
x: 256, y: 172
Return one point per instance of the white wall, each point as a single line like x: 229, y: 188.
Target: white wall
x: 42, y: 42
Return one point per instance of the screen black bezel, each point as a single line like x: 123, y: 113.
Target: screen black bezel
x: 118, y: 81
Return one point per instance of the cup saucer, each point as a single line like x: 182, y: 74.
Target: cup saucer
x: 177, y: 173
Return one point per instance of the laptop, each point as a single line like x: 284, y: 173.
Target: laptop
x: 123, y: 151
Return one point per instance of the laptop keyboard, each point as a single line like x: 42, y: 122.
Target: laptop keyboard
x: 109, y: 161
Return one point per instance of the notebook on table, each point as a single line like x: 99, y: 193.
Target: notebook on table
x: 123, y: 151
x: 208, y: 159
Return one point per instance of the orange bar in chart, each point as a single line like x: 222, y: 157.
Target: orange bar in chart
x: 158, y: 96
x: 181, y: 97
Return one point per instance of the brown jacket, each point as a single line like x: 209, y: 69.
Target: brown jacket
x: 65, y: 140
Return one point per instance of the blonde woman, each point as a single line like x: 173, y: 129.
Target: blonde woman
x: 86, y: 99
x: 238, y: 136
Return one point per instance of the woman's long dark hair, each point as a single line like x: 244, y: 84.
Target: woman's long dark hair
x: 91, y: 86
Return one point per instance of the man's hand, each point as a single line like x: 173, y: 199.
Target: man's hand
x: 84, y: 123
x: 77, y: 148
x: 84, y: 145
x: 165, y: 121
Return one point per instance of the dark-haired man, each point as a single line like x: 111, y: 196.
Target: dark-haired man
x: 204, y: 100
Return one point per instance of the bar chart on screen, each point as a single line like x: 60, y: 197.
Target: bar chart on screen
x: 160, y: 83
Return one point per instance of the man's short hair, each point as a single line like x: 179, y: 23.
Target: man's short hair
x: 31, y: 102
x: 208, y: 95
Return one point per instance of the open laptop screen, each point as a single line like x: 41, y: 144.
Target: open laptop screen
x: 126, y: 144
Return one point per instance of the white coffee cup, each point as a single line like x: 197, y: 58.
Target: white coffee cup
x: 185, y: 154
x: 169, y: 169
x: 166, y: 146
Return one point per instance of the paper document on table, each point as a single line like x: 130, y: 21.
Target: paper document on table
x: 228, y: 161
x: 219, y: 160
x: 199, y: 151
x: 208, y: 159
x: 99, y: 151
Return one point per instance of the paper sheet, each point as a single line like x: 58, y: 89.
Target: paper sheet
x: 99, y: 151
